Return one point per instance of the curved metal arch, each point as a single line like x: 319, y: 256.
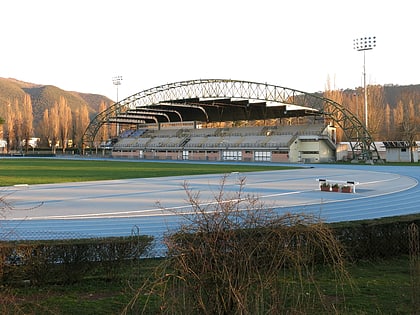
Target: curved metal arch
x: 129, y: 114
x: 354, y: 131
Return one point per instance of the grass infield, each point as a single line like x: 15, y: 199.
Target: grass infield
x: 31, y: 171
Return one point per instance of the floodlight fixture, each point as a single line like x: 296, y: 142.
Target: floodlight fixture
x: 117, y: 80
x: 364, y: 44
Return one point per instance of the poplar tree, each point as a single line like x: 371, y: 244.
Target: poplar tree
x: 17, y: 124
x: 27, y: 120
x: 9, y: 128
x: 81, y: 122
x: 408, y: 127
x: 104, y: 130
x: 376, y: 110
x: 46, y: 128
x: 336, y: 96
x: 55, y: 126
x: 64, y: 116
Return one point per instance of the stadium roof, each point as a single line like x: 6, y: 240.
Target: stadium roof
x: 211, y: 110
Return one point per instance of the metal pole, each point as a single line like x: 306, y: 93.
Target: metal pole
x: 363, y: 44
x: 365, y: 89
x: 117, y: 81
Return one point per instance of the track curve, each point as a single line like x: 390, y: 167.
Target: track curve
x: 123, y: 207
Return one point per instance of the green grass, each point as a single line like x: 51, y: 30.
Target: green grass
x: 44, y: 171
x: 381, y: 287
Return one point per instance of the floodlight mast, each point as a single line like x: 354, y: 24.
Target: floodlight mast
x: 117, y: 82
x: 364, y: 44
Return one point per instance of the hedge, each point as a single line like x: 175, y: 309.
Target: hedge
x: 376, y: 239
x: 66, y: 261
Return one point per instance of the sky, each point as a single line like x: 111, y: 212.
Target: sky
x: 307, y: 45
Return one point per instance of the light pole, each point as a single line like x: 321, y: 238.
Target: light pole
x: 117, y: 82
x: 363, y: 44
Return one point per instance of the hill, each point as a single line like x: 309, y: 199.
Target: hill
x: 44, y: 96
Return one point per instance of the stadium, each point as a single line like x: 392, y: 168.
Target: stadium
x: 216, y: 121
x: 226, y: 120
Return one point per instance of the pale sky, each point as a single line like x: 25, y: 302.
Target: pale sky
x: 80, y: 45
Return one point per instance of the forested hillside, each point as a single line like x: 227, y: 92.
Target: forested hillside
x: 393, y: 110
x: 46, y: 112
x: 44, y: 97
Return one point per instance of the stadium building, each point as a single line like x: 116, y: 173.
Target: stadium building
x: 226, y: 120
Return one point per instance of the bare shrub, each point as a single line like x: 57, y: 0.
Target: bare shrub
x: 414, y: 245
x: 8, y: 304
x: 235, y: 255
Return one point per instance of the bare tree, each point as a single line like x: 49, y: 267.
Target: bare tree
x: 45, y: 128
x: 408, y: 127
x: 54, y: 126
x: 81, y: 121
x: 17, y: 124
x: 104, y: 131
x: 376, y: 110
x: 27, y: 120
x: 9, y: 128
x: 388, y: 122
x: 336, y: 96
x: 64, y: 116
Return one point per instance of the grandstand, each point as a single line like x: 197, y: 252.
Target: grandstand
x: 310, y: 143
x: 199, y: 119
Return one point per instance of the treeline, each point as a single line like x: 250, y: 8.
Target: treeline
x: 60, y: 127
x: 393, y: 111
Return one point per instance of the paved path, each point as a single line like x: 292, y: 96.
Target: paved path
x: 120, y: 207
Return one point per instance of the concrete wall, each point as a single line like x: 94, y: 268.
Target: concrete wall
x: 401, y: 154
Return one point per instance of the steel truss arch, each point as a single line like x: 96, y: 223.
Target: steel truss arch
x: 362, y: 145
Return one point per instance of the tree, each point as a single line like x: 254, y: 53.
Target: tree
x: 336, y: 96
x: 388, y: 122
x: 65, y: 118
x: 54, y: 127
x: 104, y: 131
x: 17, y: 124
x: 81, y: 121
x: 408, y: 127
x: 27, y: 121
x: 9, y: 128
x: 376, y: 110
x: 45, y: 129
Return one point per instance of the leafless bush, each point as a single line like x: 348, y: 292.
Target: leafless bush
x: 8, y: 304
x: 7, y: 299
x: 5, y: 205
x: 414, y: 244
x: 237, y: 256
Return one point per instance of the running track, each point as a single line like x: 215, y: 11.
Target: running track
x: 123, y: 207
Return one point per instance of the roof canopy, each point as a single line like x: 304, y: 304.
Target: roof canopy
x: 211, y: 110
x: 399, y: 144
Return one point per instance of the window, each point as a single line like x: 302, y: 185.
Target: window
x: 310, y: 152
x: 232, y: 156
x: 262, y: 156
